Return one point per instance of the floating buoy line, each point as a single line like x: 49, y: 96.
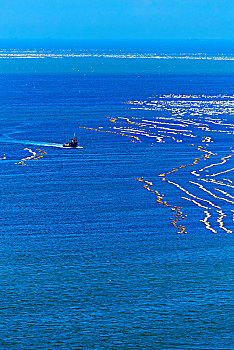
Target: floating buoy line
x: 177, y: 213
x: 178, y: 118
x: 34, y: 156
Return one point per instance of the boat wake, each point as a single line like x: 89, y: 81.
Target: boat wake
x: 7, y: 138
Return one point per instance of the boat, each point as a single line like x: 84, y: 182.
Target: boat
x: 72, y: 143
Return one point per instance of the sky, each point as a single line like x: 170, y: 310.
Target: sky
x: 116, y: 19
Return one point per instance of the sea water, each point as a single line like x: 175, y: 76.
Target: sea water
x: 126, y: 243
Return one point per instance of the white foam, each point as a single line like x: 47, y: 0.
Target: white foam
x: 60, y: 54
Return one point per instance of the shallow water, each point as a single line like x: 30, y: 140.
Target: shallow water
x: 91, y: 259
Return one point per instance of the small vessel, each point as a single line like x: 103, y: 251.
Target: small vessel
x: 72, y: 143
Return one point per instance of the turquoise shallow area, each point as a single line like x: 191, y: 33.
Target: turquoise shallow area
x: 89, y: 259
x: 105, y: 65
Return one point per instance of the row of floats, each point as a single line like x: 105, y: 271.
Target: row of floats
x: 34, y: 156
x: 206, y: 204
x: 182, y: 118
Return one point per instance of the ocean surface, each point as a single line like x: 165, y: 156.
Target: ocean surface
x: 127, y: 242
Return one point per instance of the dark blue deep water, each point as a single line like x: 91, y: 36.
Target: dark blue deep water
x: 91, y: 259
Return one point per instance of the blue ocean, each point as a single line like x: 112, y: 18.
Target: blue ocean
x: 127, y: 241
